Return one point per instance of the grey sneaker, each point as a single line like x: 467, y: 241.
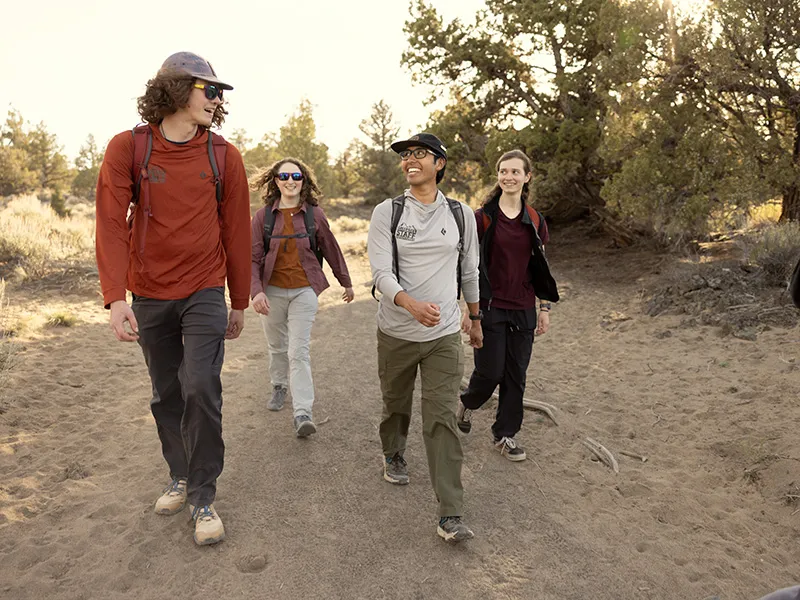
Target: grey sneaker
x: 463, y: 418
x: 452, y: 529
x: 304, y: 426
x: 395, y: 469
x: 508, y: 447
x: 278, y: 397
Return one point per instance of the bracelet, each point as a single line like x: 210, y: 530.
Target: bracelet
x: 545, y: 306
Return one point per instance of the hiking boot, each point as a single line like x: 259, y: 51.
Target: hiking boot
x: 304, y: 426
x: 508, y: 447
x: 452, y: 529
x: 278, y: 397
x: 173, y: 499
x: 463, y: 418
x: 395, y: 469
x: 208, y: 527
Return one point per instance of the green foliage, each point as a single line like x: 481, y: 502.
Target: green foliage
x: 88, y: 168
x: 298, y: 138
x: 379, y: 166
x: 347, y: 181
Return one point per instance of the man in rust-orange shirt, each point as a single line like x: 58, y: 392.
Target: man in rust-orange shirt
x: 183, y: 244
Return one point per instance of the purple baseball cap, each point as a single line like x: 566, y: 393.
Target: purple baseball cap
x: 194, y: 65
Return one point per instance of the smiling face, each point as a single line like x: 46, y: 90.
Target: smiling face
x: 511, y: 176
x: 419, y: 171
x: 290, y: 189
x: 200, y: 109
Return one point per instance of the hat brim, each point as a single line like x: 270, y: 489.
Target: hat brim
x: 212, y: 79
x: 406, y: 144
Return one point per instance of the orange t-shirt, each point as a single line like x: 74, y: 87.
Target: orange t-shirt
x: 288, y: 272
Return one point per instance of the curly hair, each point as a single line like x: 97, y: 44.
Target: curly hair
x: 167, y: 92
x: 495, y: 193
x: 264, y: 181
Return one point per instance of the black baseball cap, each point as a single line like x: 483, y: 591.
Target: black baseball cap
x: 194, y: 65
x: 427, y: 140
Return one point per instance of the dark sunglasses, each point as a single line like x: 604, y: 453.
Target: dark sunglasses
x: 210, y: 89
x: 419, y: 153
x: 294, y: 176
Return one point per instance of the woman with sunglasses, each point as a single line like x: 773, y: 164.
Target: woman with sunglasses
x: 286, y: 278
x: 507, y: 229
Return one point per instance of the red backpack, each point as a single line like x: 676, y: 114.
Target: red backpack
x: 536, y: 219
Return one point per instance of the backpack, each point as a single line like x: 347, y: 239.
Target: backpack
x: 143, y: 146
x: 310, y: 233
x: 543, y: 283
x: 397, y: 212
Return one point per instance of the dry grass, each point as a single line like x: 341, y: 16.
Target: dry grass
x: 345, y: 224
x: 775, y: 249
x: 61, y: 319
x: 7, y: 349
x: 34, y: 239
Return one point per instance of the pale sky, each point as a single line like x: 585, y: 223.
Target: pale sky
x: 80, y: 65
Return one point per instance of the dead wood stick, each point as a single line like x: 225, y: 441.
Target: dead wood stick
x: 544, y: 407
x: 540, y: 489
x: 633, y: 455
x: 325, y: 420
x: 602, y: 453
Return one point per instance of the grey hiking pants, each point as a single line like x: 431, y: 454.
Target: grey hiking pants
x: 184, y: 345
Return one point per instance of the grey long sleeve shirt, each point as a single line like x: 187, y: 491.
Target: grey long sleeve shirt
x: 427, y: 248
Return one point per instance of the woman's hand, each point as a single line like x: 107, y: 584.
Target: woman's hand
x: 261, y: 304
x: 543, y: 322
x: 348, y: 295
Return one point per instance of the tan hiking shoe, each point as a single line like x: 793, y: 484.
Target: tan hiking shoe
x: 173, y: 499
x: 208, y: 527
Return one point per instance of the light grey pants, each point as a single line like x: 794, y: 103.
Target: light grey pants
x: 288, y: 331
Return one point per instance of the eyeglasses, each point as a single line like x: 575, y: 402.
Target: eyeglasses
x: 294, y: 176
x: 211, y: 90
x: 419, y: 153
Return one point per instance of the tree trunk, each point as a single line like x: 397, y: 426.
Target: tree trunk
x: 790, y: 207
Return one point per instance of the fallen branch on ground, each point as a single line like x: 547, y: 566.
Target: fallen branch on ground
x: 325, y: 420
x: 633, y: 455
x: 544, y: 407
x: 602, y: 453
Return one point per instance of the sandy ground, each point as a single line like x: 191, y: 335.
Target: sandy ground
x: 712, y: 513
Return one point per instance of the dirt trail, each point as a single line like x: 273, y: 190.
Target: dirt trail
x: 710, y: 514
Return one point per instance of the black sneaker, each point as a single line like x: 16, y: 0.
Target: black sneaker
x: 304, y: 426
x: 463, y: 418
x: 508, y: 447
x: 395, y: 469
x: 452, y: 529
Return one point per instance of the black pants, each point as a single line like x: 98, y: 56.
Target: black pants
x: 184, y: 345
x: 503, y: 360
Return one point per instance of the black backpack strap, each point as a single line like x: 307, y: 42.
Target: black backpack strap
x: 311, y: 230
x: 458, y: 215
x: 398, y: 204
x: 142, y: 147
x: 269, y: 223
x: 216, y: 156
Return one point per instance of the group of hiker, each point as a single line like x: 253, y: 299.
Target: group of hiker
x: 174, y: 226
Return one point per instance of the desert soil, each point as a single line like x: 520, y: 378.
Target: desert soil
x: 712, y: 513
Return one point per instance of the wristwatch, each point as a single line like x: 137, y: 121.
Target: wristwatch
x: 477, y: 317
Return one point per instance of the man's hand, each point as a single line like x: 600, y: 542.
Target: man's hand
x: 120, y: 313
x: 348, y: 295
x: 261, y: 304
x: 466, y: 323
x: 426, y: 313
x: 235, y: 324
x: 543, y: 322
x: 476, y: 335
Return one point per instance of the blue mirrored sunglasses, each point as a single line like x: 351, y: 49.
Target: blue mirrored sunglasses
x: 294, y: 176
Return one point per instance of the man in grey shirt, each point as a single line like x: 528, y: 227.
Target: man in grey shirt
x: 416, y: 261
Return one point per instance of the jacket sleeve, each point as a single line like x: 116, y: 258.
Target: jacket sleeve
x: 235, y: 213
x: 114, y: 193
x: 257, y: 253
x: 379, y: 249
x: 330, y: 248
x: 470, y: 258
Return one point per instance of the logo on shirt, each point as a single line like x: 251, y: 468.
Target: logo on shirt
x: 203, y: 175
x: 156, y: 174
x: 444, y: 231
x: 406, y: 232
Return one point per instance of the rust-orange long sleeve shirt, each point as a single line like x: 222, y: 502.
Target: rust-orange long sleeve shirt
x: 190, y: 241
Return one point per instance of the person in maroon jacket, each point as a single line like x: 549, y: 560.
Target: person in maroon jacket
x: 286, y: 277
x: 508, y: 304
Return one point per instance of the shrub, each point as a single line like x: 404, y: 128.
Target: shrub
x: 775, y: 250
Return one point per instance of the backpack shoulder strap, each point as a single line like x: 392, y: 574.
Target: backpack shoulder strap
x: 458, y: 215
x: 311, y: 230
x: 536, y: 219
x: 398, y: 204
x: 217, y: 155
x: 269, y: 223
x: 142, y: 147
